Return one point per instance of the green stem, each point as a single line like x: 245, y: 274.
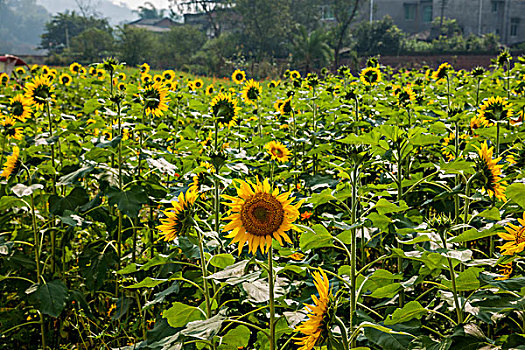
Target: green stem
x: 344, y: 334
x: 204, y: 271
x: 453, y: 279
x: 399, y: 197
x: 456, y: 181
x: 353, y: 254
x: 272, y: 300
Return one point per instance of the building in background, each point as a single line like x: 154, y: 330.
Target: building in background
x: 158, y: 25
x: 505, y: 18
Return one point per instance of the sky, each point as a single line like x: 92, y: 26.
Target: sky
x: 133, y: 4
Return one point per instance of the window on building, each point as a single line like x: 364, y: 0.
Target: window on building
x: 495, y: 6
x: 514, y: 24
x: 427, y: 14
x: 410, y: 11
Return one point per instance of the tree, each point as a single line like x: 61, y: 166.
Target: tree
x: 91, y: 45
x: 310, y: 50
x: 344, y: 13
x: 136, y: 45
x: 88, y: 7
x: 179, y: 45
x: 65, y: 26
x: 378, y: 37
x: 211, y: 8
x: 149, y: 11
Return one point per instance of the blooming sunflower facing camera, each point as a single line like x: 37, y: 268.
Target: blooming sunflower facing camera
x: 224, y: 107
x: 491, y: 173
x: 370, y: 76
x: 179, y: 216
x: 238, y: 76
x: 260, y: 214
x: 65, y: 79
x: 38, y: 90
x: 251, y: 91
x: 277, y: 151
x: 9, y: 128
x: 155, y: 99
x: 515, y: 236
x: 316, y: 326
x: 20, y: 107
x: 11, y: 163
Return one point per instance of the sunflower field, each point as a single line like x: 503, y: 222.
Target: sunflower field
x: 376, y: 209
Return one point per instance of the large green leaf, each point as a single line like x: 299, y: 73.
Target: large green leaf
x: 412, y: 309
x: 179, y: 314
x: 235, y: 338
x: 148, y: 282
x: 385, y: 207
x: 466, y: 280
x: 51, y: 297
x: 516, y: 192
x: 128, y: 202
x: 77, y: 197
x: 205, y: 329
x: 317, y: 237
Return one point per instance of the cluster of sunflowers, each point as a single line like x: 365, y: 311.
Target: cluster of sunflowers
x: 208, y: 212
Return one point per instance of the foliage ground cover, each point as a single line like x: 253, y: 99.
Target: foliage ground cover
x: 367, y: 210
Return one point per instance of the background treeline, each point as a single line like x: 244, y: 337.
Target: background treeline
x: 259, y: 35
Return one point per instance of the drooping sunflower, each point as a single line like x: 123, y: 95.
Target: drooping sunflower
x: 9, y: 128
x: 495, y: 109
x: 168, y: 74
x: 209, y: 90
x: 442, y: 71
x: 238, y: 76
x: 478, y: 121
x: 75, y: 67
x: 490, y: 172
x: 65, y: 79
x: 370, y: 76
x: 277, y: 151
x: 20, y: 107
x: 179, y: 216
x: 38, y: 90
x: 260, y: 214
x: 224, y: 107
x: 144, y: 68
x: 201, y: 182
x: 251, y: 91
x: 446, y: 151
x: 515, y: 236
x: 405, y: 95
x: 11, y: 163
x: 155, y: 99
x: 316, y: 326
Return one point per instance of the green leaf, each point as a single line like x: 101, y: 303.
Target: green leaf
x: 388, y: 291
x: 147, y: 282
x: 91, y: 105
x: 411, y: 310
x: 235, y: 338
x: 77, y: 197
x: 321, y: 198
x: 491, y: 214
x: 51, y: 297
x: 205, y: 329
x: 511, y: 284
x: 128, y: 202
x: 516, y: 192
x: 179, y: 315
x: 385, y: 337
x: 8, y: 202
x: 379, y: 221
x: 222, y: 260
x: 317, y: 237
x: 385, y: 207
x: 21, y: 190
x: 473, y: 234
x: 466, y: 280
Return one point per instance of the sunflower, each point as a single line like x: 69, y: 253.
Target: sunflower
x: 315, y: 327
x: 224, y: 107
x: 92, y: 71
x: 20, y: 71
x: 65, y: 79
x: 11, y: 163
x: 191, y: 85
x: 4, y: 79
x: 45, y: 70
x: 38, y: 90
x: 449, y: 155
x: 495, y: 109
x: 442, y: 71
x: 75, y: 67
x: 179, y: 216
x: 20, y: 107
x: 121, y: 76
x: 168, y: 75
x: 158, y: 78
x: 238, y: 76
x: 277, y: 151
x: 121, y: 86
x: 198, y: 83
x: 505, y: 271
x: 146, y: 78
x: 171, y: 85
x: 405, y: 95
x: 277, y: 105
x: 144, y: 68
x: 478, y: 121
x: 251, y: 91
x: 155, y: 99
x: 209, y: 90
x: 83, y: 71
x: 370, y: 76
x: 200, y: 179
x: 515, y: 236
x: 273, y: 84
x: 101, y: 74
x: 286, y: 106
x: 9, y: 128
x: 294, y: 75
x: 490, y: 171
x: 259, y: 214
